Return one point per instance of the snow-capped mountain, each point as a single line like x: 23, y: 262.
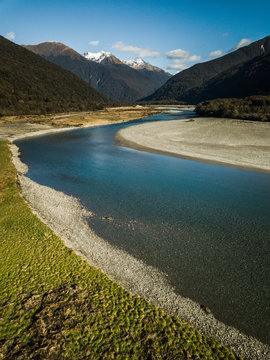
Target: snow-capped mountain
x: 102, y: 57
x: 136, y: 63
x: 103, y: 71
x: 98, y: 56
x: 154, y: 74
x: 140, y: 64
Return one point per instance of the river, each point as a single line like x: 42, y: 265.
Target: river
x: 205, y: 226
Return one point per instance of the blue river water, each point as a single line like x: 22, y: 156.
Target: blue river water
x: 206, y: 226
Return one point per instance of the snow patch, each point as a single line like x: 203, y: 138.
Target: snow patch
x: 97, y: 56
x: 136, y: 63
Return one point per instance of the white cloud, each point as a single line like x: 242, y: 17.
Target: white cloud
x: 180, y: 57
x: 177, y: 54
x: 94, y: 42
x: 10, y: 35
x: 141, y: 52
x: 193, y: 58
x: 243, y: 42
x: 215, y: 53
x: 176, y: 66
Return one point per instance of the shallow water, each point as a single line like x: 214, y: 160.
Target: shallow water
x: 205, y: 226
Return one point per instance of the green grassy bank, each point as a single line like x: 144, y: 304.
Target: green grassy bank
x: 54, y: 305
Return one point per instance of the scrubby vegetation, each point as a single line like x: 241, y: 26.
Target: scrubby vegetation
x: 54, y: 305
x: 251, y: 108
x: 31, y: 85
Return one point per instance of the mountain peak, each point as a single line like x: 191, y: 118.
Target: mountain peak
x: 51, y: 48
x: 97, y: 56
x: 102, y: 57
x: 140, y: 64
x: 136, y: 63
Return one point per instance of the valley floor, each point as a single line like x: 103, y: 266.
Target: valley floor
x: 237, y: 143
x: 46, y: 287
x: 17, y: 126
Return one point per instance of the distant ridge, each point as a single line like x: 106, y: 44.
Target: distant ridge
x: 103, y: 71
x: 32, y: 85
x: 180, y: 85
x: 250, y: 78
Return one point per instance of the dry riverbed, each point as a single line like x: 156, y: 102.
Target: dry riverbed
x: 238, y: 143
x: 14, y: 126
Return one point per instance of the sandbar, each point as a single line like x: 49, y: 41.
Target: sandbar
x: 230, y: 142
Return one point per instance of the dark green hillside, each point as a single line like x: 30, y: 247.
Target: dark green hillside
x: 31, y: 85
x: 176, y: 88
x: 252, y: 108
x: 250, y: 78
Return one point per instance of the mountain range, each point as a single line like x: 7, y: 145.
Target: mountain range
x: 33, y: 84
x: 105, y: 72
x: 239, y: 73
x: 30, y: 84
x: 157, y: 75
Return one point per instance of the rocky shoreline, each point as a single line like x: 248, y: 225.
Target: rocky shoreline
x: 67, y: 218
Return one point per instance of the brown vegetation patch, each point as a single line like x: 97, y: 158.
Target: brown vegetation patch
x: 53, y: 314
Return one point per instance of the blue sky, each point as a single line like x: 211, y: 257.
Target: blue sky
x: 170, y: 34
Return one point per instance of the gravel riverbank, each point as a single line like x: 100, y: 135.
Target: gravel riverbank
x: 67, y: 218
x: 237, y: 143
